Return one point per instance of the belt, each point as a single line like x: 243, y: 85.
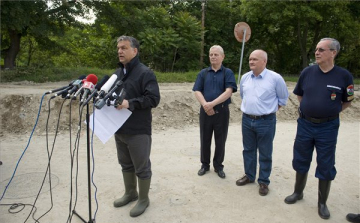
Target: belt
x: 319, y: 120
x: 218, y: 107
x: 258, y: 116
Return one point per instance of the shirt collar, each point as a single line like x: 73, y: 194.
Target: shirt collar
x: 221, y: 68
x: 261, y: 75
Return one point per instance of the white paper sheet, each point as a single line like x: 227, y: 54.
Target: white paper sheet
x: 107, y: 121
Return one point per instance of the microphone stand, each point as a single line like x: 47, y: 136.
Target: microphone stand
x: 88, y: 166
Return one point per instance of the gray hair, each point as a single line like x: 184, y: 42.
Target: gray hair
x: 334, y: 44
x: 134, y: 43
x: 219, y: 48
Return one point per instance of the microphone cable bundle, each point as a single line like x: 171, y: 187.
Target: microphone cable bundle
x: 88, y: 89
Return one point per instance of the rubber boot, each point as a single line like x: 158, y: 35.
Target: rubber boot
x: 130, y: 190
x: 355, y: 218
x: 143, y: 202
x: 300, y: 183
x: 324, y: 189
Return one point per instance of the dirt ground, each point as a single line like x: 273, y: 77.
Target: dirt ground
x: 177, y: 193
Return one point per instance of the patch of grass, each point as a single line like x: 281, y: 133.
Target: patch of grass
x: 41, y: 75
x: 176, y: 77
x: 49, y: 74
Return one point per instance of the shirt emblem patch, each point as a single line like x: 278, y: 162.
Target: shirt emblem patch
x: 350, y: 90
x: 333, y: 96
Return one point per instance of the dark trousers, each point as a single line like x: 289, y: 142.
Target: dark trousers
x: 133, y: 153
x: 323, y: 137
x: 217, y: 124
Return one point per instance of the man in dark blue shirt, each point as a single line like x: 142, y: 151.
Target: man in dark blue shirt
x: 323, y: 90
x: 213, y: 88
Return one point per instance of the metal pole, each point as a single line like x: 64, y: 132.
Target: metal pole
x: 242, y: 53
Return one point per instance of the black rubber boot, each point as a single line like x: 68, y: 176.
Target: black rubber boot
x: 299, y: 188
x: 324, y: 189
x: 130, y: 190
x: 355, y: 218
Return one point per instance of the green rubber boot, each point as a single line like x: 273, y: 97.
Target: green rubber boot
x: 143, y: 202
x: 130, y: 190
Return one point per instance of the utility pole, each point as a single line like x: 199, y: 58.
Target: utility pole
x: 202, y: 33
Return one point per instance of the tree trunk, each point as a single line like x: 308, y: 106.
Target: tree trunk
x: 302, y: 38
x: 12, y: 52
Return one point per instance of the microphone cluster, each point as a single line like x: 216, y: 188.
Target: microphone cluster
x: 88, y: 87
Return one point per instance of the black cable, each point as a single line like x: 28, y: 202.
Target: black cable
x: 73, y: 153
x: 14, y: 206
x: 71, y: 165
x: 77, y: 158
x: 48, y: 168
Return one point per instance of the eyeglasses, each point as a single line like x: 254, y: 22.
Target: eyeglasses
x: 322, y: 50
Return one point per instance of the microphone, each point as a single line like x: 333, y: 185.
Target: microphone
x: 65, y: 87
x: 104, y: 89
x: 100, y: 103
x: 98, y: 86
x: 59, y: 89
x: 119, y: 100
x: 89, y: 85
x: 78, y: 89
x: 71, y: 85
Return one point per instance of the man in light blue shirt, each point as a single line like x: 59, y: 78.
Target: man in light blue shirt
x: 263, y: 92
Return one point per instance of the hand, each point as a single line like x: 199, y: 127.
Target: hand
x: 124, y: 104
x: 210, y: 112
x: 208, y: 107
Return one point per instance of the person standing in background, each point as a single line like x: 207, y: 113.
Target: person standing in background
x: 213, y: 88
x: 263, y: 92
x: 323, y: 90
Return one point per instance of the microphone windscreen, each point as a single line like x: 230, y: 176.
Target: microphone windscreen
x: 92, y: 78
x: 102, y: 82
x: 109, y: 83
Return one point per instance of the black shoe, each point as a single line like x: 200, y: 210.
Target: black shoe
x: 202, y: 171
x: 220, y: 173
x: 353, y: 217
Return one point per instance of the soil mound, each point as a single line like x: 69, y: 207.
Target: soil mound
x: 178, y: 108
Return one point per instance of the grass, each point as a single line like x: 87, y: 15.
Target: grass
x: 41, y: 75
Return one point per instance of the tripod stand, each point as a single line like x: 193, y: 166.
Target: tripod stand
x: 88, y: 166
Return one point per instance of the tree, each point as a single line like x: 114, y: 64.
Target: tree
x: 169, y: 37
x: 291, y: 29
x: 37, y: 19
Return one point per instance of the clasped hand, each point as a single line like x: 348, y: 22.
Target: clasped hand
x: 209, y: 108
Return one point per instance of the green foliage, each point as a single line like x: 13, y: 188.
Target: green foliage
x: 170, y: 31
x: 291, y: 29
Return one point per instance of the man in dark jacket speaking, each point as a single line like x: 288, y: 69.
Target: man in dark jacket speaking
x: 133, y: 139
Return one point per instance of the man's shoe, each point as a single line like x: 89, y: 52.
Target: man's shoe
x: 243, y: 181
x: 263, y: 190
x: 353, y: 218
x: 220, y: 173
x: 202, y: 171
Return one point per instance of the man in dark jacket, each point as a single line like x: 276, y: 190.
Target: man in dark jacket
x: 133, y: 139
